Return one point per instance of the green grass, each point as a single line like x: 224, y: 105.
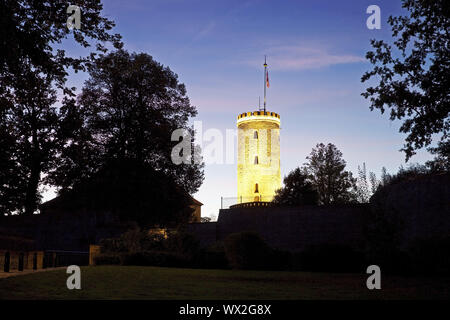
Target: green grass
x: 117, y: 282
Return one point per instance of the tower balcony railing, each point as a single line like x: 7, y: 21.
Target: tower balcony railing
x: 245, y: 202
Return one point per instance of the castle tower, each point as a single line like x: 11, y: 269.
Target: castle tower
x: 258, y: 156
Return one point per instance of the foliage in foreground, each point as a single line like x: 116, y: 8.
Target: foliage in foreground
x: 413, y: 74
x: 297, y: 190
x: 243, y: 251
x: 322, y: 180
x: 33, y: 70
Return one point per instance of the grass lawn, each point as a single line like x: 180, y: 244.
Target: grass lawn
x: 118, y: 282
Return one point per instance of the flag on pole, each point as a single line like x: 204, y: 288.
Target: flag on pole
x: 267, y: 79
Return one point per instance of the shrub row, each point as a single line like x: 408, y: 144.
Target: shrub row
x: 247, y: 250
x: 144, y: 258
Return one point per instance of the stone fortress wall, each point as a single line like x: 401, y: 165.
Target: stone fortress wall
x: 290, y: 228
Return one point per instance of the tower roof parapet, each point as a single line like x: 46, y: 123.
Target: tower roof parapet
x: 258, y: 115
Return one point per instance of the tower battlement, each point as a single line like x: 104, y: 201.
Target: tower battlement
x: 258, y: 115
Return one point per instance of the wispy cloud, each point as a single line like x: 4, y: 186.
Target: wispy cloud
x: 205, y: 30
x: 298, y: 57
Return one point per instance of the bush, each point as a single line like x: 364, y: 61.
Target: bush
x: 130, y: 241
x: 136, y: 247
x: 183, y: 243
x: 430, y: 256
x: 330, y: 258
x: 213, y: 257
x: 108, y: 259
x: 156, y: 258
x: 247, y: 250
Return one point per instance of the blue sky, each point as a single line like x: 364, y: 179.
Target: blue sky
x: 315, y: 54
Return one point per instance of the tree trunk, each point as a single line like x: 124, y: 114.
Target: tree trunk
x: 32, y: 186
x: 33, y: 181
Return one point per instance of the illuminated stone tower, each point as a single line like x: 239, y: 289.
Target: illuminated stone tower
x: 258, y: 156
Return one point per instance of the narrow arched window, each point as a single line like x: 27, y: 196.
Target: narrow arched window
x: 255, y: 135
x: 256, y: 188
x: 256, y: 160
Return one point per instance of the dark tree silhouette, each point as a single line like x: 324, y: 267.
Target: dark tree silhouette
x: 326, y: 171
x: 35, y: 121
x: 30, y: 66
x: 128, y: 109
x: 28, y: 139
x: 441, y: 161
x: 414, y: 79
x: 30, y: 30
x: 366, y: 185
x: 11, y: 189
x: 297, y: 190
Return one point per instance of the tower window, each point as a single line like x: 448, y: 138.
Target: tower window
x: 255, y: 135
x: 256, y: 188
x: 256, y: 160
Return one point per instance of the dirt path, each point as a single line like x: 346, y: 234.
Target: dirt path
x: 27, y: 271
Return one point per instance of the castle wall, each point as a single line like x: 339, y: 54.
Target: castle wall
x: 289, y: 228
x: 296, y: 228
x: 419, y: 207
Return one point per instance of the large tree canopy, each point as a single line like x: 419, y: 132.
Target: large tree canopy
x: 128, y: 109
x: 30, y: 31
x: 414, y: 73
x: 297, y: 190
x: 33, y: 124
x: 326, y: 171
x: 31, y: 67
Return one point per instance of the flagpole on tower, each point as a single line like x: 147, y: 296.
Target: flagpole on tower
x: 265, y: 81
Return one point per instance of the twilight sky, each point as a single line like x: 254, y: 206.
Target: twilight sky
x: 315, y: 53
